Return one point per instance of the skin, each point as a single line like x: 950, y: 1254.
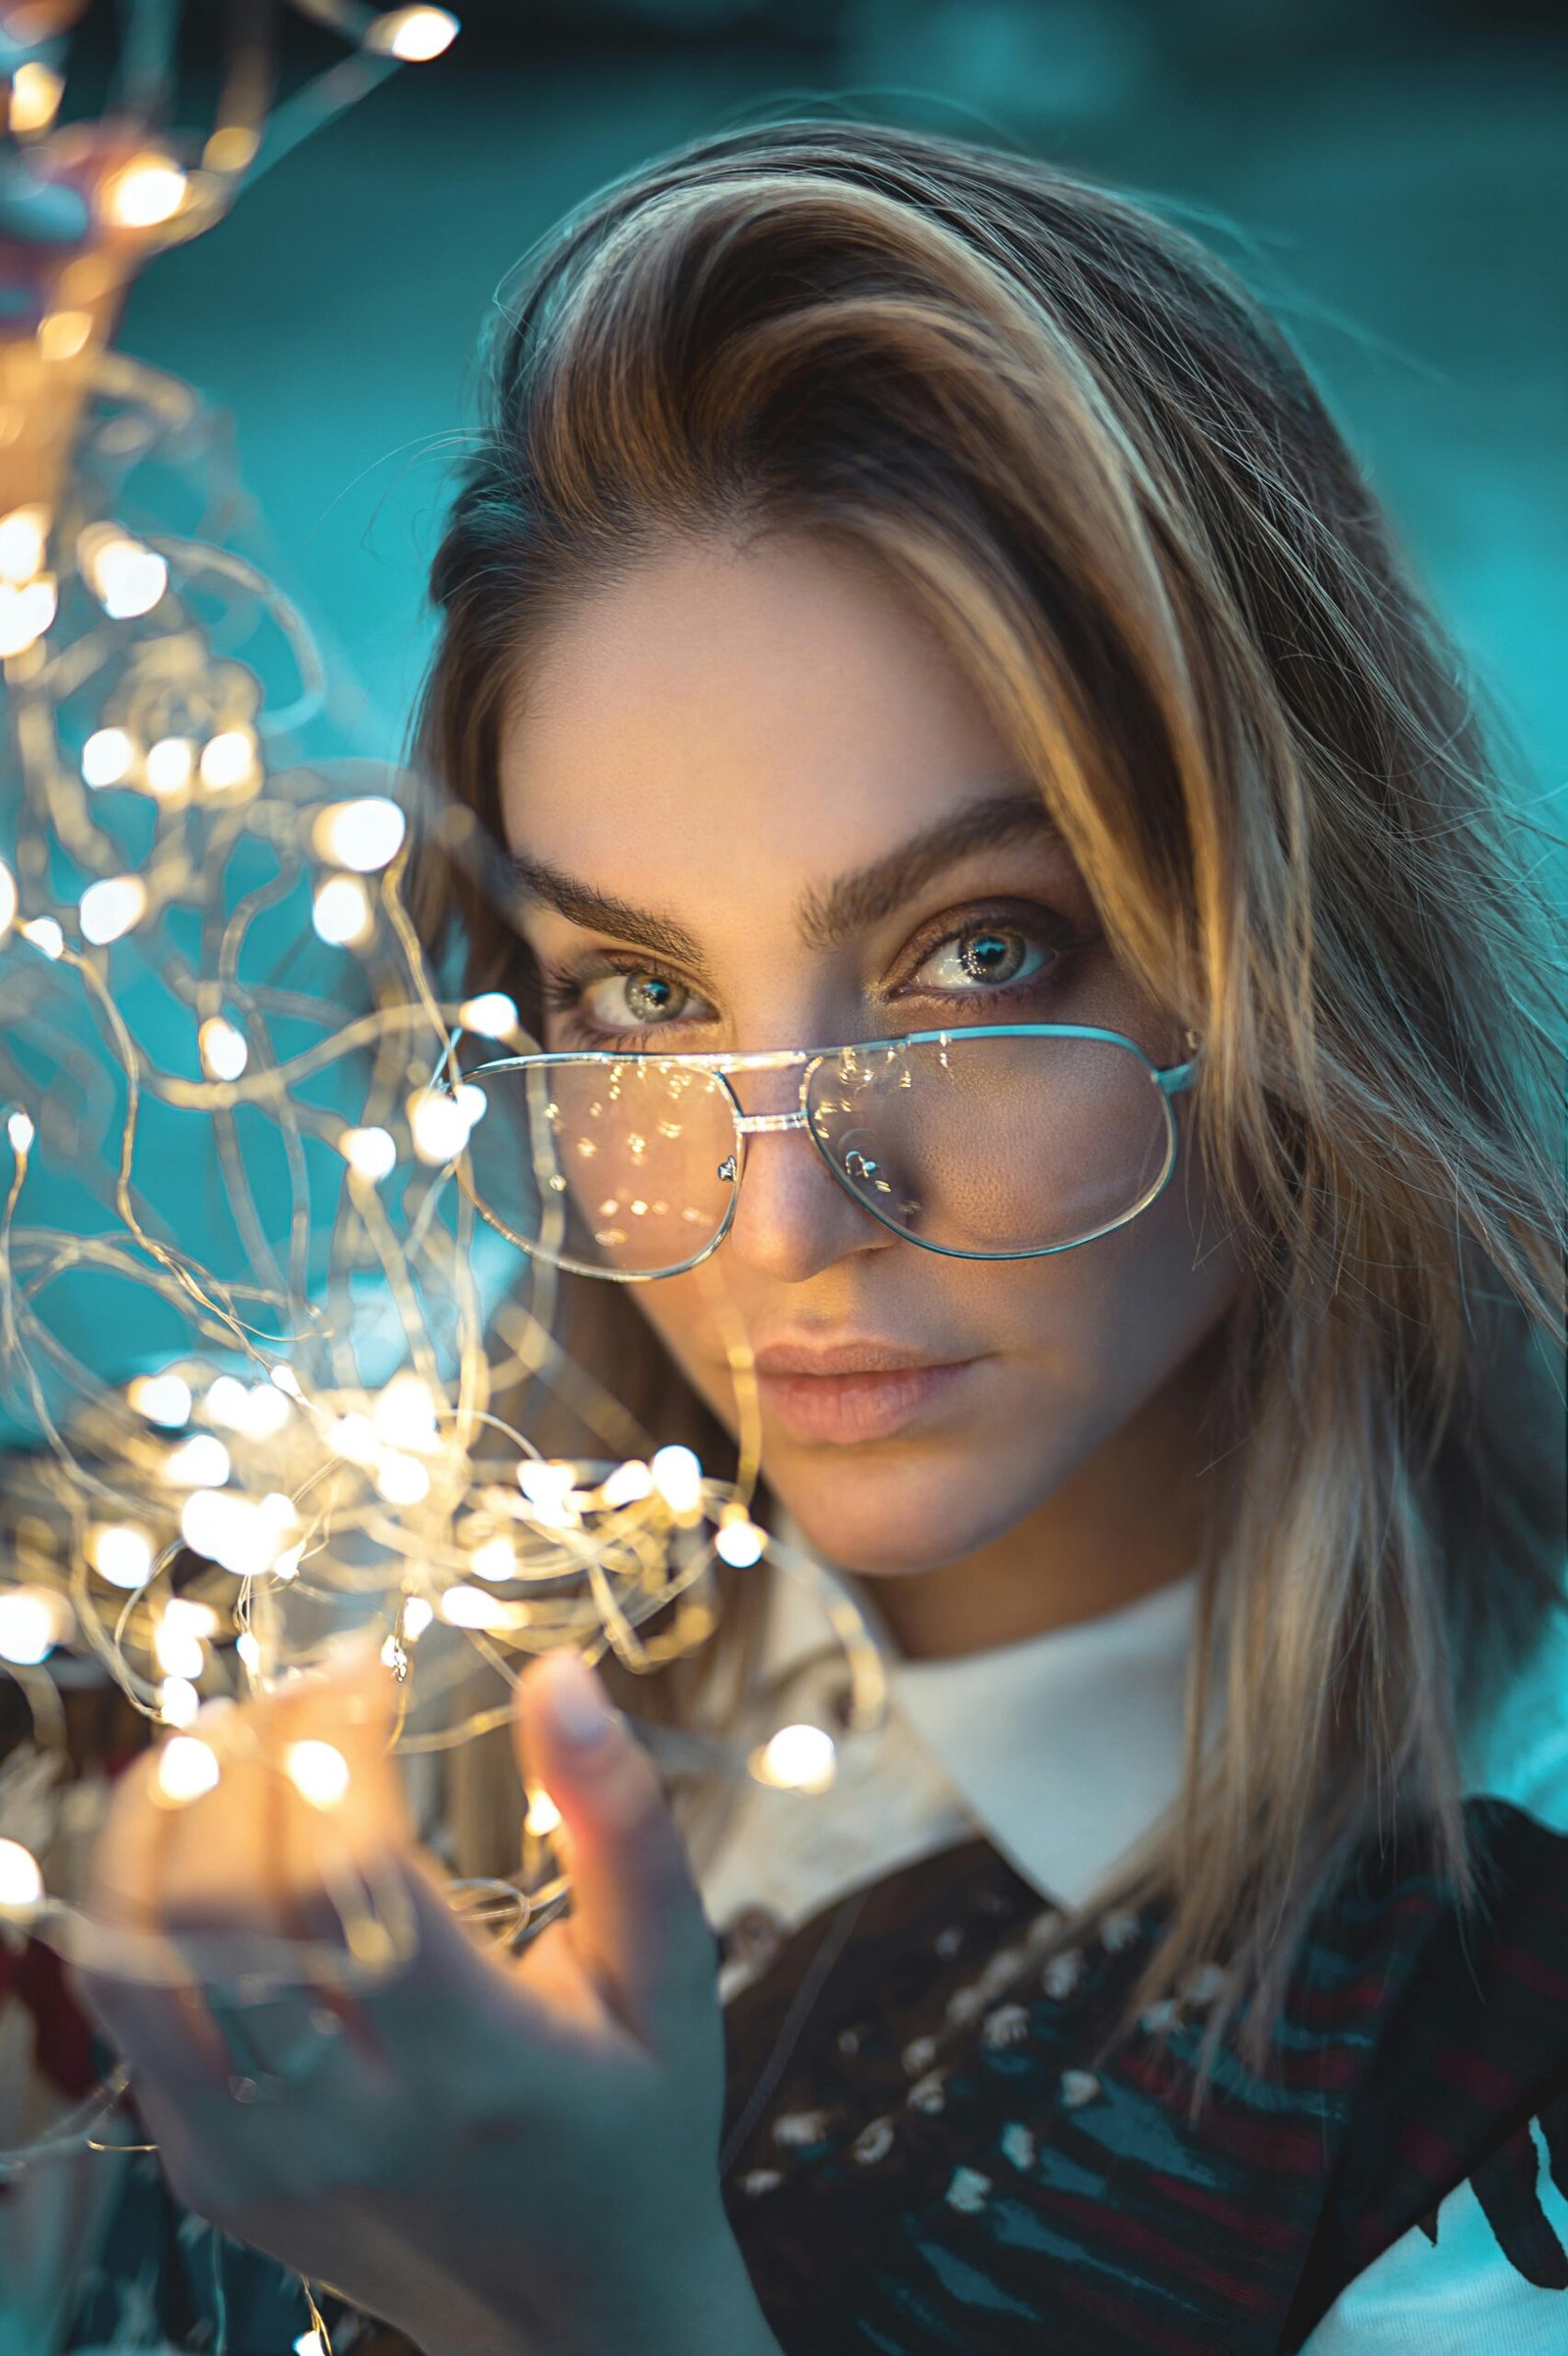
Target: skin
x: 716, y: 740
x: 720, y: 738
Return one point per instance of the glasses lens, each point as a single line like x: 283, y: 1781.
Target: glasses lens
x: 624, y: 1167
x: 996, y: 1145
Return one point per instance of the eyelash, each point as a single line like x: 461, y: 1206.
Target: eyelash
x: 563, y: 986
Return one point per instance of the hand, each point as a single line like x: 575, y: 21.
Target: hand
x: 506, y: 2159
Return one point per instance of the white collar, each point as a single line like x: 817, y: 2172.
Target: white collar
x: 1066, y: 1748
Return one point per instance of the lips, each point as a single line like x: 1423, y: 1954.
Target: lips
x: 850, y: 1392
x: 846, y: 1357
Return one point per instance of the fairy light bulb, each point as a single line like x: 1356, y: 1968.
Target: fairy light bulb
x: 677, y: 1475
x: 223, y: 1051
x: 739, y: 1543
x: 412, y: 35
x: 465, y: 1606
x: 163, y: 1398
x: 169, y: 766
x: 121, y: 1554
x: 107, y: 757
x: 28, y: 1626
x: 145, y: 192
x: 178, y: 1701
x: 401, y: 1478
x: 23, y: 538
x: 341, y: 912
x: 629, y: 1484
x: 21, y: 1881
x: 356, y: 1439
x: 185, y: 1612
x: 8, y: 898
x: 200, y: 1463
x: 22, y: 1132
x: 256, y: 1409
x: 112, y: 909
x: 404, y: 1413
x: 798, y: 1758
x: 187, y: 1770
x: 37, y: 90
x: 267, y: 1411
x: 178, y: 1638
x: 248, y: 1650
x: 363, y: 835
x: 228, y: 759
x: 370, y: 1153
x: 226, y: 1401
x: 495, y: 1560
x: 126, y: 578
x: 417, y: 1617
x: 490, y: 1015
x: 241, y: 1535
x: 309, y: 2343
x: 317, y: 1771
x: 231, y: 1531
x: 25, y: 613
x: 45, y: 936
x: 542, y: 1814
x: 549, y: 1489
x: 439, y: 1126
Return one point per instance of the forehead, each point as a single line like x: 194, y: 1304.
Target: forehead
x: 739, y: 720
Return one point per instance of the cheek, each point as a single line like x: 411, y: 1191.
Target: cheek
x: 696, y: 1320
x: 1097, y: 1359
x: 1081, y: 1336
x: 1135, y: 1302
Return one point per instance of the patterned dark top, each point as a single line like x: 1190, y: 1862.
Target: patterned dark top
x: 927, y: 2150
x: 920, y: 2159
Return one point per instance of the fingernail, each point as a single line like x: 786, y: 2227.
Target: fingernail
x: 579, y: 1706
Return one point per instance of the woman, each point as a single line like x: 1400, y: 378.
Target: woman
x: 901, y: 592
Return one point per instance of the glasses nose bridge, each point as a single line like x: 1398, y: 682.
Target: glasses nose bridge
x: 784, y: 1060
x: 770, y: 1124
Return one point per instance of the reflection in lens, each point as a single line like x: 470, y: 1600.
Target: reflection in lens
x: 621, y: 1166
x: 994, y: 1144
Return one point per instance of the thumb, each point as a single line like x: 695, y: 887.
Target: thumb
x: 637, y: 1921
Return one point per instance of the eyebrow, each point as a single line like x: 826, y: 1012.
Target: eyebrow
x: 864, y: 897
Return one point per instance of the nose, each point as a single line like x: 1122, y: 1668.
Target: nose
x: 792, y: 1219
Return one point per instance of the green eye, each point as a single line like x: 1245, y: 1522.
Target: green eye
x: 631, y: 1001
x: 985, y: 955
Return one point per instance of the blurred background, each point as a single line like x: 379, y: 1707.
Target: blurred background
x: 1392, y: 175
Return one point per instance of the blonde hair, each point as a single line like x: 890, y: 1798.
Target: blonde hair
x: 1079, y: 442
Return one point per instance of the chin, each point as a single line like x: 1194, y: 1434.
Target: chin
x: 878, y: 1515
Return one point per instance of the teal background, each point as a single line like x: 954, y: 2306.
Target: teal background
x: 1397, y: 178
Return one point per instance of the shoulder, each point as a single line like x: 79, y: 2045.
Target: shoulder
x: 1446, y: 2232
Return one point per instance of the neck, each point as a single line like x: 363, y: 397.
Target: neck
x: 1128, y: 1521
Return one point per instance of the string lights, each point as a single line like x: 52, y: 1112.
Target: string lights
x: 208, y: 966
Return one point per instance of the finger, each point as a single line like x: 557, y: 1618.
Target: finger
x: 297, y: 1839
x: 297, y: 1799
x: 161, y: 2029
x: 637, y: 1919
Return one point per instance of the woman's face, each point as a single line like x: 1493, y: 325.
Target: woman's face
x: 756, y: 805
